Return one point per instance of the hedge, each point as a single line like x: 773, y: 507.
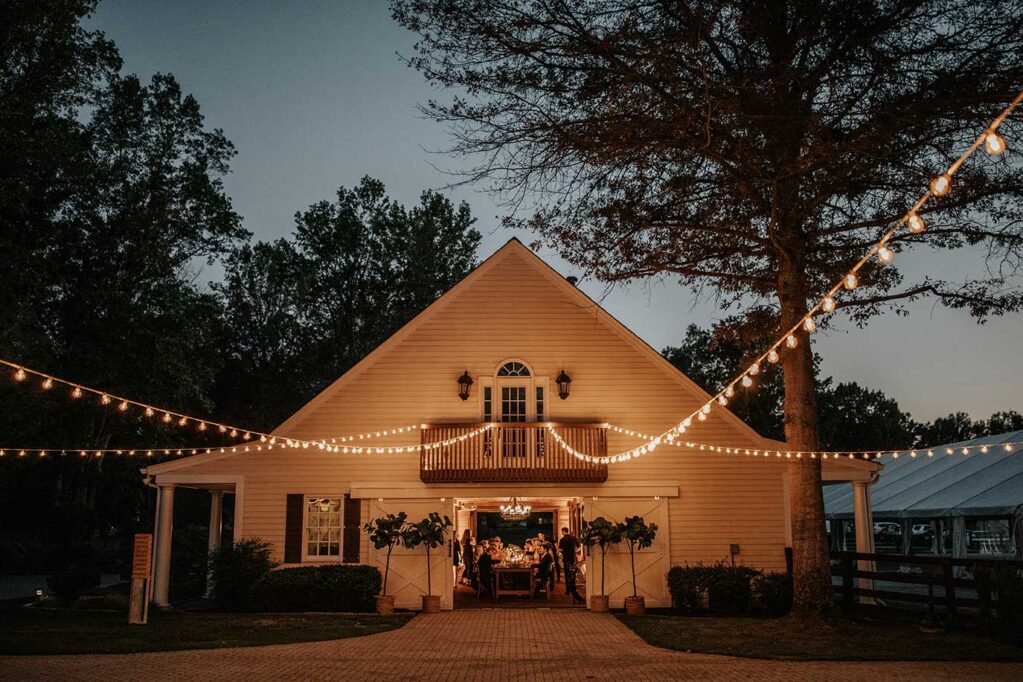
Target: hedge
x: 729, y: 589
x: 316, y: 588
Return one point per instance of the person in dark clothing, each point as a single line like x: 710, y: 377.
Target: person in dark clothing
x: 569, y: 545
x: 557, y: 562
x: 487, y: 576
x: 544, y: 568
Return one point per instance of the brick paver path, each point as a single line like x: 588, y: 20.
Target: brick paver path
x: 545, y: 644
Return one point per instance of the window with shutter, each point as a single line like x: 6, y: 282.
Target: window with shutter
x: 352, y: 535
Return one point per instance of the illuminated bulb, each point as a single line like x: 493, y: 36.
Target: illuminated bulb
x: 885, y: 255
x: 705, y: 409
x: 47, y: 384
x: 19, y: 375
x: 729, y: 391
x: 166, y: 417
x: 123, y: 407
x: 223, y: 429
x: 828, y: 304
x: 754, y: 369
x: 790, y: 341
x: 702, y: 417
x: 746, y: 381
x: 916, y: 224
x: 182, y: 421
x: 850, y: 281
x: 994, y: 143
x: 234, y: 433
x: 722, y: 400
x: 202, y: 426
x: 77, y: 392
x: 772, y: 356
x: 941, y: 184
x: 246, y: 435
x: 149, y: 412
x: 809, y: 325
x: 105, y: 399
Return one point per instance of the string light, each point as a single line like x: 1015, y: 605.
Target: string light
x: 47, y: 384
x: 791, y: 341
x: 19, y: 375
x: 809, y: 325
x: 772, y: 356
x: 828, y: 304
x: 994, y: 143
x: 885, y: 255
x: 76, y: 392
x: 916, y: 224
x: 941, y: 184
x: 850, y: 281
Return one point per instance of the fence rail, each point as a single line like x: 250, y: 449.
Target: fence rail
x: 950, y: 576
x: 512, y: 452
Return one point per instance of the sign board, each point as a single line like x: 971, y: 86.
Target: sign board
x: 141, y: 560
x: 142, y: 556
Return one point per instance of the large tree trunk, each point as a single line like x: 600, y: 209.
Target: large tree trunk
x: 811, y: 575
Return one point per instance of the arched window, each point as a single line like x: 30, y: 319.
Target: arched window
x: 513, y: 369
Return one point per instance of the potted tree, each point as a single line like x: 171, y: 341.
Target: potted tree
x: 429, y: 532
x: 639, y: 535
x: 601, y: 533
x: 386, y: 532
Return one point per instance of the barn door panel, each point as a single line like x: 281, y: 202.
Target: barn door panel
x: 407, y: 579
x: 652, y: 564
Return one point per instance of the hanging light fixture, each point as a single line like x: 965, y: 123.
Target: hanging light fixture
x: 515, y: 510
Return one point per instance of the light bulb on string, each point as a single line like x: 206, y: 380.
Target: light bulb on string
x: 166, y: 417
x: 994, y: 143
x: 123, y: 406
x: 182, y: 421
x: 47, y: 384
x: 223, y: 429
x: 149, y: 412
x: 746, y: 381
x: 809, y: 325
x: 754, y: 369
x: 791, y: 341
x: 76, y: 392
x: 941, y: 184
x: 105, y: 399
x: 916, y: 224
x: 202, y: 426
x: 722, y: 400
x: 828, y: 304
x: 772, y: 356
x: 885, y: 255
x: 850, y: 281
x: 730, y: 391
x: 20, y: 375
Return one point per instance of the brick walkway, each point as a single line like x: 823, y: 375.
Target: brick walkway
x: 555, y: 645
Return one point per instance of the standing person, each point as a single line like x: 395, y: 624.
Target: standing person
x: 468, y: 558
x: 569, y: 545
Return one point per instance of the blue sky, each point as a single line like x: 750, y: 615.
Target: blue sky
x: 314, y: 97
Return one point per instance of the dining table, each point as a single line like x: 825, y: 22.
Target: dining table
x: 507, y: 579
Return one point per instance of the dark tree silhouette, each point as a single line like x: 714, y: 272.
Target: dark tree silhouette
x: 754, y: 149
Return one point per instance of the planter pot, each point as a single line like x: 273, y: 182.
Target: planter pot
x: 431, y: 603
x: 385, y: 604
x: 635, y: 606
x: 598, y: 603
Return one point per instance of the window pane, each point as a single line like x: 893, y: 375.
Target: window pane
x: 989, y: 536
x: 323, y: 526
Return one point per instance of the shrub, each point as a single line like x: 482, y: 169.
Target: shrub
x: 775, y: 592
x: 76, y: 571
x: 728, y: 587
x: 234, y: 570
x: 316, y: 588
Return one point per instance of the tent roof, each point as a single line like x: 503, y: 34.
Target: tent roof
x: 977, y: 484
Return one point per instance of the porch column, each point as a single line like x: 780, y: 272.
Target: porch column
x: 164, y: 532
x: 864, y: 520
x: 216, y: 530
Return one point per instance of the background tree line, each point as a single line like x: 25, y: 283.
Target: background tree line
x: 112, y: 204
x: 851, y: 416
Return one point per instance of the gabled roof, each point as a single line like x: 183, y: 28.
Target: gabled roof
x: 510, y: 249
x: 944, y: 485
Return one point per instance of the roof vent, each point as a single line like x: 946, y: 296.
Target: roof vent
x: 573, y: 280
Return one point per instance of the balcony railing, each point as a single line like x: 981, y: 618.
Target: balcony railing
x: 512, y: 451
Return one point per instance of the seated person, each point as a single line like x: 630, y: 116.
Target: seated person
x: 528, y: 550
x: 498, y: 547
x: 487, y: 576
x: 543, y: 568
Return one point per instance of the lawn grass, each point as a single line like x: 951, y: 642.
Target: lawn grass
x: 838, y: 640
x: 28, y: 631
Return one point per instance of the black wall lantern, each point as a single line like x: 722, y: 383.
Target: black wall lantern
x: 464, y: 384
x: 563, y: 381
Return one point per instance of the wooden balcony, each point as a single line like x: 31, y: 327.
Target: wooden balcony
x: 512, y: 452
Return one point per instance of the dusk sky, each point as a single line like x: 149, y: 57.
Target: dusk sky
x: 314, y: 97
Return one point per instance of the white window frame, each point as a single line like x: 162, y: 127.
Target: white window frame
x: 315, y: 558
x: 532, y: 382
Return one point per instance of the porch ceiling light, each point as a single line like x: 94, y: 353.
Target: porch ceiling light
x: 464, y: 384
x: 563, y: 381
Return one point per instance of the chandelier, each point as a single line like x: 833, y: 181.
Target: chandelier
x: 515, y: 510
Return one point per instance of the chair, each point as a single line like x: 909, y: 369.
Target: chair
x: 538, y: 581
